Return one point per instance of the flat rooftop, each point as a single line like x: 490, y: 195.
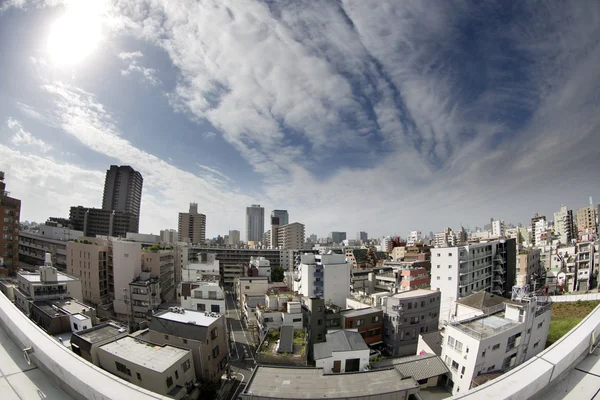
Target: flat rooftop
x: 360, y: 312
x: 414, y: 293
x: 311, y: 383
x: 34, y: 277
x: 490, y: 325
x: 188, y: 316
x: 100, y: 333
x: 150, y: 355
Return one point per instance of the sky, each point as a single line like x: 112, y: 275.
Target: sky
x: 360, y: 115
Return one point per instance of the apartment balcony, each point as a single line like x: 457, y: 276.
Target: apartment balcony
x: 499, y: 280
x: 498, y: 290
x: 318, y: 274
x: 318, y: 283
x: 318, y: 292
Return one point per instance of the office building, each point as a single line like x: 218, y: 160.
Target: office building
x: 362, y: 237
x: 92, y: 263
x: 495, y: 340
x: 192, y: 226
x: 10, y: 210
x: 337, y: 237
x: 33, y: 245
x: 163, y: 369
x: 123, y: 190
x: 406, y: 315
x: 460, y: 271
x: 233, y: 238
x: 98, y: 222
x: 169, y: 236
x: 564, y: 226
x: 324, y: 275
x: 255, y: 223
x: 282, y: 216
x: 586, y: 219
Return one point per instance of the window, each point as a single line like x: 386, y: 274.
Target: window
x: 360, y: 322
x: 455, y: 365
x: 438, y: 266
x: 449, y: 278
x: 176, y: 374
x: 375, y: 319
x: 201, y: 307
x: 186, y: 365
x: 214, y: 334
x: 509, y: 362
x: 319, y: 336
x: 450, y: 266
x: 215, y: 308
x: 247, y: 287
x: 215, y: 351
x: 438, y: 278
x: 139, y: 376
x: 167, y: 337
x: 536, y: 344
x: 448, y: 361
x: 459, y: 346
x: 423, y: 303
x: 496, y: 346
x: 513, y: 341
x: 540, y: 324
x: 491, y: 368
x: 410, y: 306
x: 319, y: 322
x: 122, y: 368
x: 319, y: 309
x: 184, y: 341
x: 169, y: 381
x: 75, y: 326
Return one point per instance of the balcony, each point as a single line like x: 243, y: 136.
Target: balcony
x: 318, y: 274
x: 499, y: 280
x: 318, y: 292
x: 319, y: 283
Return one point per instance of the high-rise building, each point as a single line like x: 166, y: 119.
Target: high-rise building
x: 563, y: 225
x: 362, y: 237
x: 284, y: 217
x: 586, y: 219
x: 497, y: 228
x: 539, y: 225
x: 169, y: 236
x: 255, y: 223
x: 337, y: 237
x: 192, y: 226
x: 123, y: 190
x: 234, y: 238
x: 290, y: 236
x: 99, y: 222
x: 10, y: 210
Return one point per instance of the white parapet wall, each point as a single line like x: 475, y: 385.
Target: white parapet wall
x: 74, y: 375
x: 541, y: 374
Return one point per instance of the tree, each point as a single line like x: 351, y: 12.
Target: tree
x: 277, y: 274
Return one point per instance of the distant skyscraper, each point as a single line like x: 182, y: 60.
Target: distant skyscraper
x: 255, y: 223
x: 234, y: 237
x: 337, y: 237
x: 284, y: 217
x: 563, y: 225
x: 123, y: 190
x: 192, y: 226
x: 586, y: 219
x: 362, y: 236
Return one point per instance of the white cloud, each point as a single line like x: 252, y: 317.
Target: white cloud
x: 131, y: 55
x: 148, y: 74
x: 23, y: 138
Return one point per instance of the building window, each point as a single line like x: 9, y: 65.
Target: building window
x: 438, y: 278
x: 438, y: 266
x: 540, y: 324
x: 360, y: 322
x: 186, y: 365
x: 491, y: 368
x: 450, y: 266
x: 319, y: 322
x: 139, y: 376
x: 201, y: 307
x: 455, y: 365
x: 214, y: 334
x: 167, y: 337
x: 319, y: 336
x: 169, y: 381
x: 496, y: 346
x: 184, y: 341
x: 376, y: 319
x: 536, y: 344
x: 449, y: 278
x: 410, y: 306
x: 122, y: 368
x: 176, y: 374
x: 215, y: 351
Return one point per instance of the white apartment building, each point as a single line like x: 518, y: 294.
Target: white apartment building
x: 275, y: 317
x: 342, y: 352
x: 494, y: 342
x: 205, y: 296
x: 539, y: 225
x: 206, y: 265
x: 263, y: 265
x: 127, y: 266
x: 459, y: 271
x: 447, y: 238
x: 563, y: 225
x: 497, y: 228
x: 324, y: 275
x: 413, y: 238
x: 584, y: 264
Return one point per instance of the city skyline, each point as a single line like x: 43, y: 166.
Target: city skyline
x: 461, y: 112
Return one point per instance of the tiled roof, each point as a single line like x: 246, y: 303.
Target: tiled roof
x: 434, y: 341
x: 418, y: 367
x: 481, y: 300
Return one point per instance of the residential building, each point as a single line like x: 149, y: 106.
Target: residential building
x: 147, y: 239
x: 447, y: 238
x: 255, y: 223
x: 460, y: 271
x: 92, y: 263
x: 337, y: 237
x: 161, y: 263
x: 290, y: 236
x: 85, y: 343
x: 163, y: 369
x: 251, y: 286
x: 586, y: 219
x: 539, y: 225
x: 126, y: 266
x: 262, y: 265
x: 169, y: 236
x: 204, y: 333
x: 192, y: 226
x: 63, y: 315
x: 10, y: 210
x: 529, y: 267
x: 144, y: 294
x: 123, y: 190
x: 46, y: 284
x: 269, y: 382
x: 99, y: 222
x: 275, y: 313
x: 361, y: 237
x: 204, y: 266
x: 343, y: 351
x: 584, y: 265
x: 368, y: 322
x: 413, y: 238
x: 495, y: 341
x: 282, y: 216
x: 427, y: 369
x: 564, y: 226
x: 324, y: 275
x: 497, y: 228
x: 204, y: 295
x: 33, y: 246
x: 233, y: 238
x: 406, y: 315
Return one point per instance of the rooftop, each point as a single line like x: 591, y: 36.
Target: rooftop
x: 482, y: 300
x: 360, y: 312
x: 434, y: 341
x: 487, y: 326
x: 311, y: 383
x: 100, y: 333
x: 150, y: 355
x: 342, y: 340
x: 188, y: 317
x: 418, y: 367
x: 34, y: 277
x: 414, y: 293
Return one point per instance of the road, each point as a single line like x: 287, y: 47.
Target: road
x: 241, y: 353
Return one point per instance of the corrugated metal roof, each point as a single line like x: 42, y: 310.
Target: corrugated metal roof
x: 342, y: 340
x: 419, y: 367
x: 434, y: 341
x: 286, y: 339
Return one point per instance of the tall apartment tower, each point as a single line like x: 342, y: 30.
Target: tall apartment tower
x: 538, y: 226
x: 255, y: 223
x: 284, y: 217
x: 563, y: 225
x: 192, y: 226
x: 586, y: 219
x: 10, y: 210
x: 123, y: 190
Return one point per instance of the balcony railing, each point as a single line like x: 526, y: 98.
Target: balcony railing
x: 318, y: 274
x: 318, y: 283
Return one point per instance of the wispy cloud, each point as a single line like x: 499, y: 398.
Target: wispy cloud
x: 23, y: 138
x: 131, y: 55
x: 148, y: 74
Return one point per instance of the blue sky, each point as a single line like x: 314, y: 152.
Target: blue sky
x: 354, y: 115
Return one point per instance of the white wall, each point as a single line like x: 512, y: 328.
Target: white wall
x: 327, y: 363
x: 445, y: 279
x: 127, y: 265
x: 192, y: 304
x: 336, y: 277
x: 293, y: 319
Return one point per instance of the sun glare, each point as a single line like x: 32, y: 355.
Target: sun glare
x: 74, y: 35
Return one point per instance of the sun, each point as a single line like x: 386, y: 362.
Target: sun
x: 74, y: 35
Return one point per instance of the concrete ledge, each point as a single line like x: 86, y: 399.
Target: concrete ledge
x: 74, y: 375
x: 540, y: 374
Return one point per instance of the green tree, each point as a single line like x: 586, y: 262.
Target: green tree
x: 277, y: 274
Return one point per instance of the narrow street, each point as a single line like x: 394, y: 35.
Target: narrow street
x: 241, y: 352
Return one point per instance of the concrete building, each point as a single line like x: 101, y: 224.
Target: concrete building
x: 123, y: 190
x: 203, y: 333
x: 92, y: 263
x: 368, y: 322
x: 282, y: 216
x: 584, y: 265
x: 163, y: 369
x: 64, y: 315
x: 362, y: 237
x: 447, y: 238
x: 169, y: 236
x: 161, y: 263
x: 406, y: 315
x: 324, y: 275
x: 290, y: 236
x: 539, y: 225
x: 460, y: 271
x: 343, y: 351
x: 204, y: 266
x: 337, y: 237
x: 126, y: 266
x: 255, y: 223
x: 144, y: 295
x: 494, y: 342
x: 262, y: 265
x: 85, y: 343
x: 33, y: 246
x: 413, y: 238
x: 10, y: 211
x: 586, y: 219
x: 498, y: 228
x: 275, y: 313
x: 564, y: 226
x: 192, y: 226
x: 269, y: 382
x: 529, y: 267
x: 203, y: 296
x: 99, y: 222
x: 251, y: 286
x: 233, y: 238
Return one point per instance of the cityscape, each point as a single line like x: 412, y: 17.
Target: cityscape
x: 299, y: 200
